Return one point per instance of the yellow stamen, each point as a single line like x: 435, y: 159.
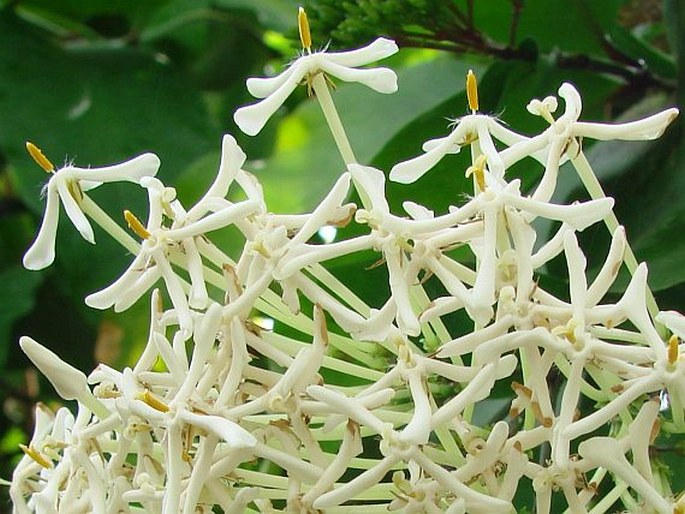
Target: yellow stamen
x: 135, y: 225
x: 39, y: 157
x: 568, y: 331
x: 673, y: 350
x: 472, y: 91
x: 33, y: 453
x: 153, y: 401
x: 478, y: 171
x: 303, y: 26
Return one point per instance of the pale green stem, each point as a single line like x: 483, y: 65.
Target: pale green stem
x: 341, y: 290
x: 104, y: 220
x: 323, y: 95
x: 592, y: 185
x: 475, y: 153
x: 609, y: 499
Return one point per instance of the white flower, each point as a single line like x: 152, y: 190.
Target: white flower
x: 674, y: 321
x: 154, y: 260
x: 467, y: 129
x: 68, y: 184
x: 342, y: 65
x: 606, y: 452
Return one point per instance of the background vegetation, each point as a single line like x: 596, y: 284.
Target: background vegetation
x: 98, y: 82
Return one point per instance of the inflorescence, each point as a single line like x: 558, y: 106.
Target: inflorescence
x: 341, y: 412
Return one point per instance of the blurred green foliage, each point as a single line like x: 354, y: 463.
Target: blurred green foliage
x: 98, y: 82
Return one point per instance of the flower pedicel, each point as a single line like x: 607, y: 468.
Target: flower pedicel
x: 369, y: 410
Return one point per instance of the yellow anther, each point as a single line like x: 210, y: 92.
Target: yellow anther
x: 39, y: 157
x: 37, y: 457
x: 153, y: 401
x: 673, y: 350
x: 472, y: 91
x: 568, y: 331
x: 303, y: 26
x: 478, y: 171
x: 135, y: 225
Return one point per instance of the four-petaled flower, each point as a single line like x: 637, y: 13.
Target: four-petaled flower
x: 68, y: 184
x: 342, y: 65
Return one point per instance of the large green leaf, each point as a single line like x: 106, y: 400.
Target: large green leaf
x: 17, y: 291
x: 571, y: 26
x: 97, y: 107
x: 280, y: 15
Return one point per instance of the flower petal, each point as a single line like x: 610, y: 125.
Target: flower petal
x: 645, y: 129
x: 252, y: 118
x: 69, y: 382
x: 262, y: 87
x: 232, y: 158
x: 379, y: 49
x: 42, y: 252
x: 107, y: 297
x: 74, y: 212
x: 674, y: 321
x: 235, y: 435
x: 145, y: 165
x: 410, y: 171
x: 383, y: 80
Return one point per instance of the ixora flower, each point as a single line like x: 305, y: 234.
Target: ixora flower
x: 68, y: 184
x: 472, y: 388
x: 342, y: 65
x: 548, y: 147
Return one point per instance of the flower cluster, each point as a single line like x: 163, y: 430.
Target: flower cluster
x: 222, y: 411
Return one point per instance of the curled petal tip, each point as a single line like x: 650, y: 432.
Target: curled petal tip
x: 250, y: 120
x: 37, y: 258
x: 149, y: 164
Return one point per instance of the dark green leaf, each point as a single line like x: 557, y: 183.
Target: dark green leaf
x: 17, y: 298
x: 98, y: 108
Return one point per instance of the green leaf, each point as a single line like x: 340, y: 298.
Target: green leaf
x: 17, y: 299
x: 572, y: 26
x: 279, y: 15
x: 99, y: 107
x: 65, y: 12
x: 654, y: 60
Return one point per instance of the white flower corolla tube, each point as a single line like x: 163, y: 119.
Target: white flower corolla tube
x: 458, y: 368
